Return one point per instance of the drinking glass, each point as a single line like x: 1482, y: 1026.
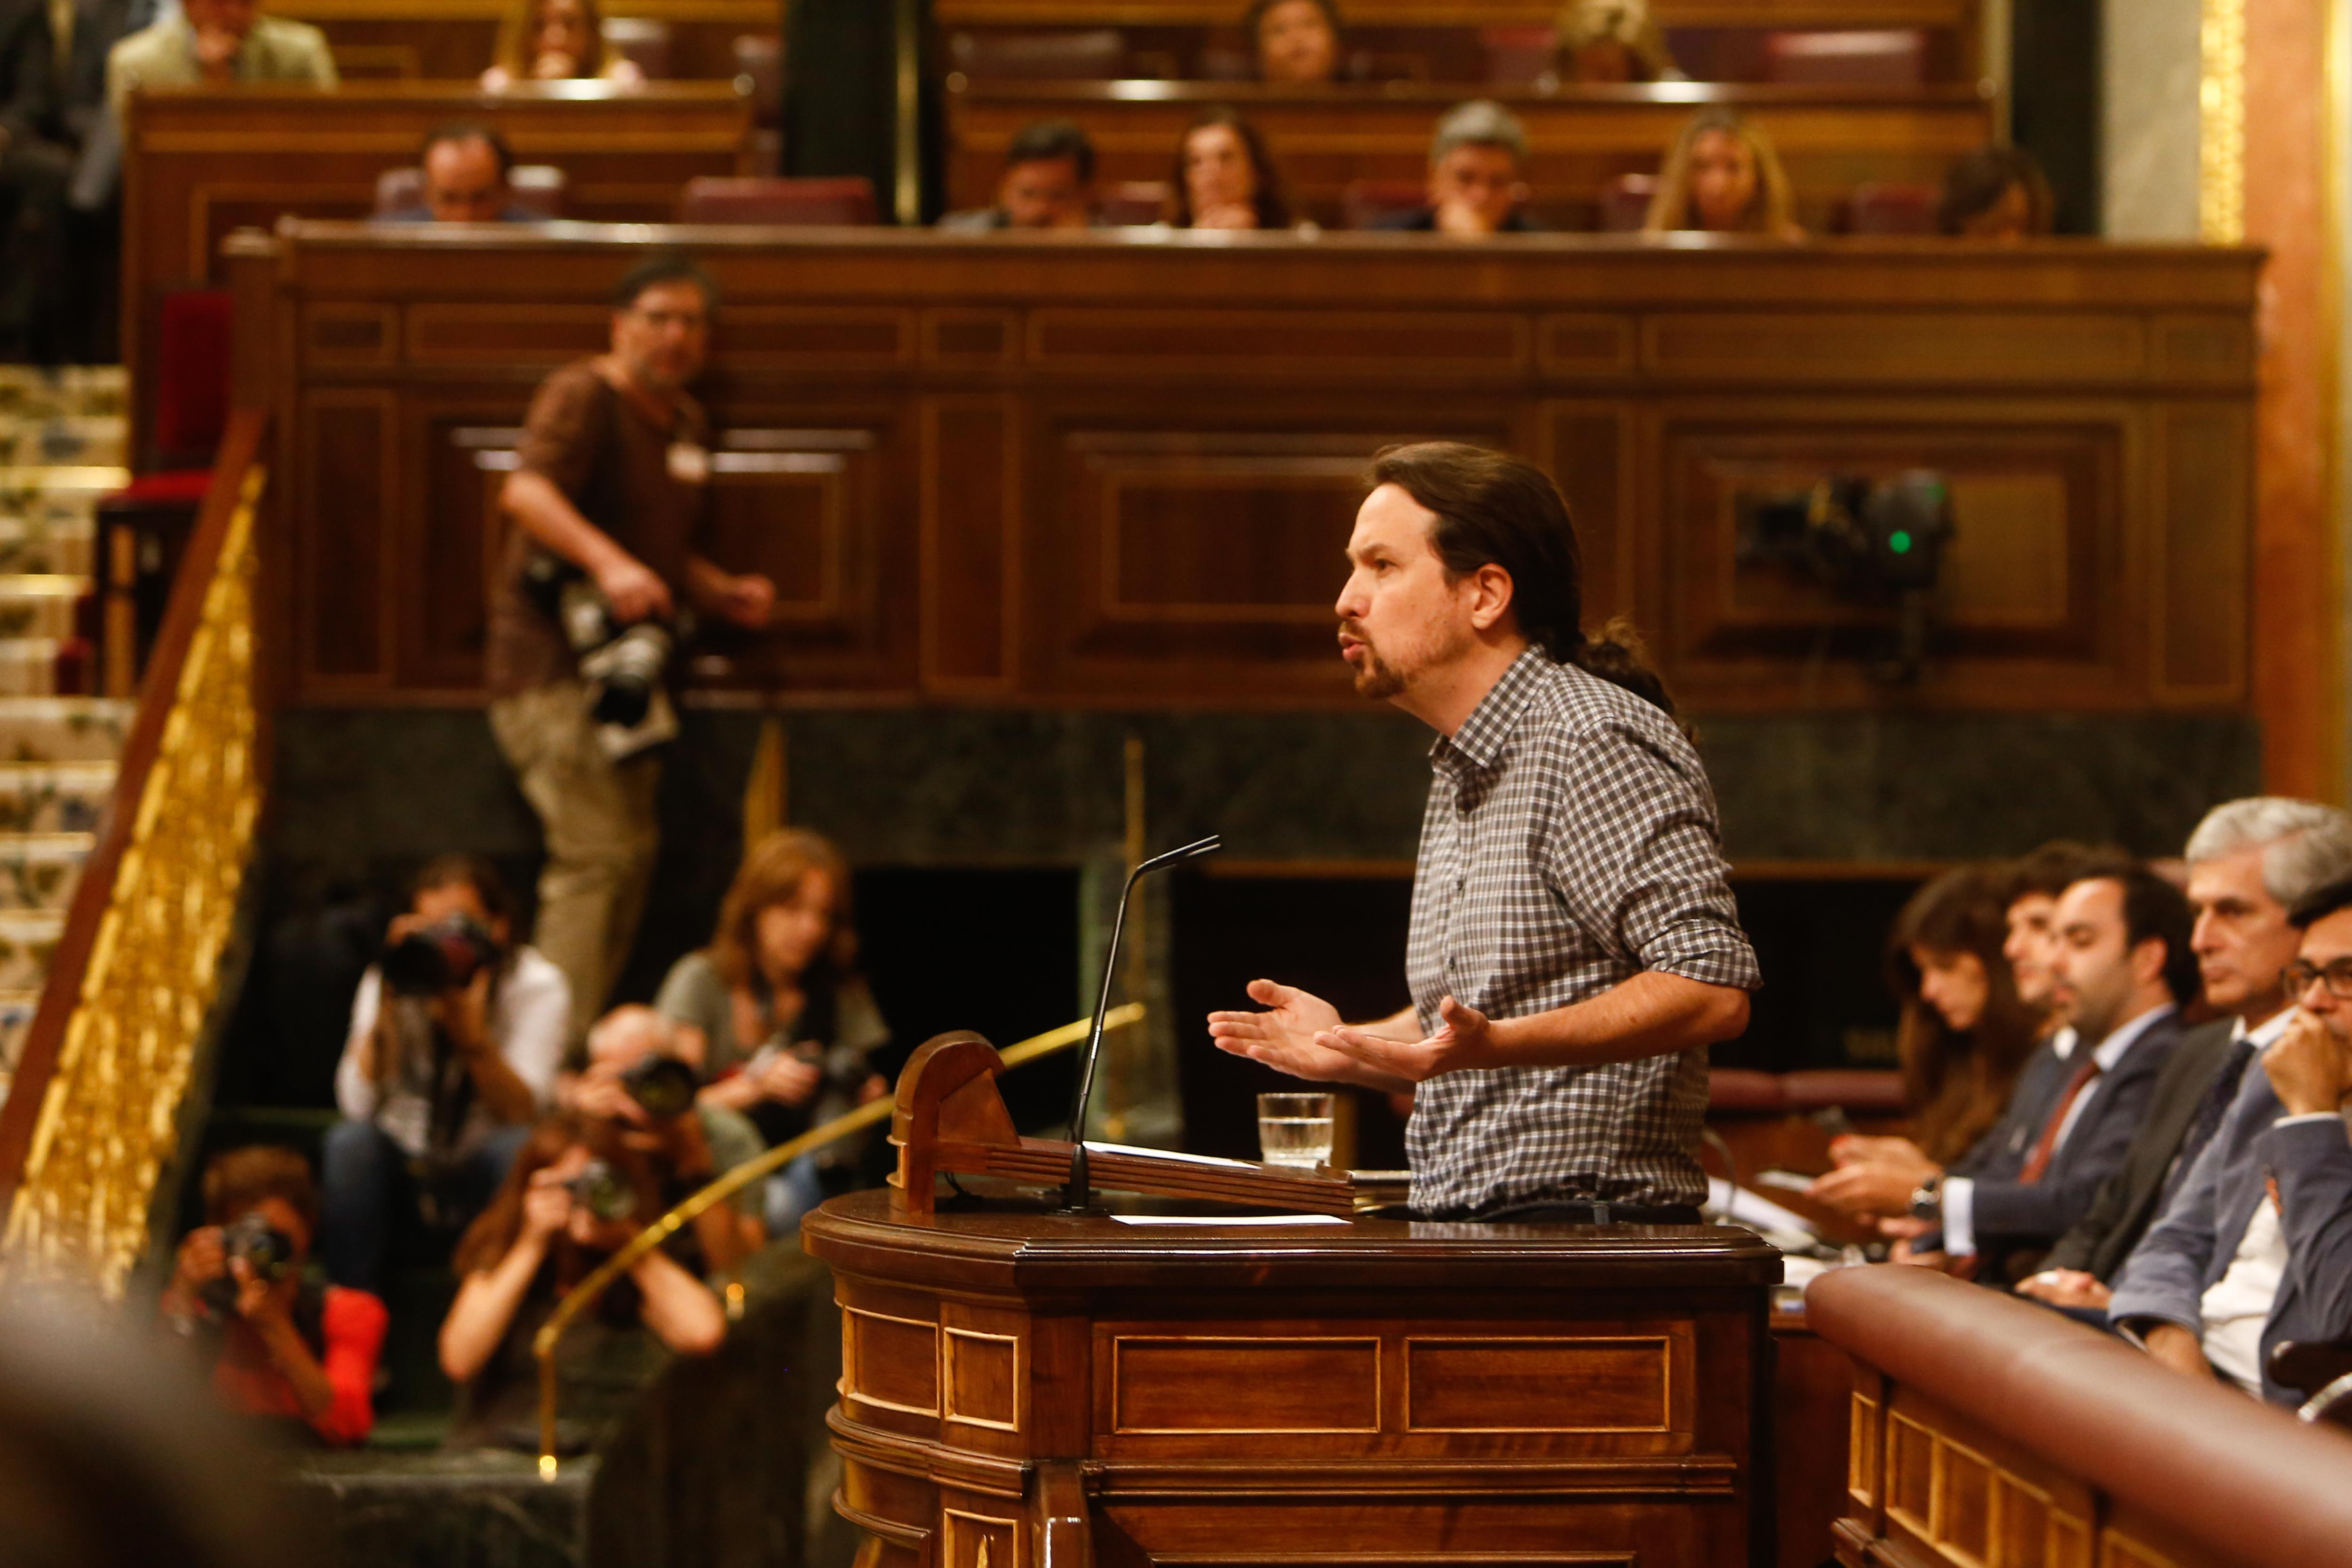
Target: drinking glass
x: 1295, y: 1130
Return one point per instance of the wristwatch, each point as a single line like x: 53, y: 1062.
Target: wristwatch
x: 1928, y: 1198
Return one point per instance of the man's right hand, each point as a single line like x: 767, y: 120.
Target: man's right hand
x: 1283, y: 1036
x: 633, y: 589
x: 546, y: 1206
x: 2066, y: 1287
x: 789, y: 1080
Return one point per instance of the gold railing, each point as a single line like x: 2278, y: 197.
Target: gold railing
x: 96, y: 1105
x: 587, y: 1293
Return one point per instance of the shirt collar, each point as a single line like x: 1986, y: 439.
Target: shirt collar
x: 1479, y: 740
x: 2111, y: 1049
x: 2061, y: 1043
x: 2272, y: 1028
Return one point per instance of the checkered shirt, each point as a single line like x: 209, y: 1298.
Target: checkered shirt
x: 1571, y: 843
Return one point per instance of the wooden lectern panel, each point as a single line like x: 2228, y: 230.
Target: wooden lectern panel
x: 1366, y: 1391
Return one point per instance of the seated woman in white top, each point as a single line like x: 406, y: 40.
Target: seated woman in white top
x: 557, y: 40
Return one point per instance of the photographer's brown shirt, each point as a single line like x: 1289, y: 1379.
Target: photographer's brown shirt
x: 622, y: 470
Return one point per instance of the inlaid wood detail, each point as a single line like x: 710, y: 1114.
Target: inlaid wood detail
x: 983, y: 1380
x: 1565, y: 1384
x: 1243, y: 1385
x: 890, y: 1363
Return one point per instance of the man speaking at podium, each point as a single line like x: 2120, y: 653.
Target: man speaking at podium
x: 1574, y: 946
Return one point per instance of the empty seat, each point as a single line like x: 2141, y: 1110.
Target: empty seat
x: 1516, y: 57
x: 1625, y: 203
x: 1094, y: 54
x: 1882, y: 207
x: 1866, y: 1091
x: 1744, y: 1091
x: 1132, y: 204
x: 538, y: 187
x: 1893, y: 57
x: 643, y: 41
x: 729, y: 199
x: 1367, y: 202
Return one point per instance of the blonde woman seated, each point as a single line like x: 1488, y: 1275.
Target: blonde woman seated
x: 1723, y: 177
x: 1611, y: 41
x: 785, y: 1025
x: 557, y: 40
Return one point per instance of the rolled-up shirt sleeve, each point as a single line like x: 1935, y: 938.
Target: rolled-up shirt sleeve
x: 1639, y: 855
x: 355, y: 1093
x: 534, y: 1022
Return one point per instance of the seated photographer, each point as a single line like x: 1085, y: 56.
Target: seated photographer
x: 454, y: 1040
x: 610, y: 501
x: 641, y: 1084
x: 575, y: 1194
x: 787, y: 1028
x: 285, y: 1347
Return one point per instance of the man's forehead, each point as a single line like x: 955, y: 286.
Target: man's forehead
x: 2093, y: 899
x: 1390, y: 517
x: 2330, y: 936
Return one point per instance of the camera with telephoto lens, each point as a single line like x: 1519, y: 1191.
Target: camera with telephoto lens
x: 443, y: 956
x: 1873, y: 542
x: 623, y: 665
x: 662, y: 1085
x: 604, y: 1192
x: 266, y: 1250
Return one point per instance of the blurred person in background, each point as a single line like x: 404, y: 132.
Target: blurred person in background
x: 1723, y: 177
x: 466, y: 167
x: 575, y: 1196
x: 642, y: 1081
x: 785, y: 1026
x: 1224, y: 177
x: 1965, y: 1033
x: 216, y: 42
x: 1297, y: 40
x: 284, y: 1346
x: 1995, y: 193
x: 1477, y: 174
x: 455, y: 1036
x: 1605, y: 41
x: 35, y: 166
x: 1048, y: 183
x: 556, y: 40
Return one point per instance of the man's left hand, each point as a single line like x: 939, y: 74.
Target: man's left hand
x: 258, y: 1301
x: 2306, y: 1066
x: 1869, y: 1189
x: 1465, y: 1041
x: 748, y: 601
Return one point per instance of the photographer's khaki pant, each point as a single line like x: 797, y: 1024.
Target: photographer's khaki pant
x: 598, y: 817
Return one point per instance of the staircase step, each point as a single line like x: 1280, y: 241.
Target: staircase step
x: 40, y: 870
x: 67, y: 392
x: 27, y: 938
x: 16, y: 1008
x: 79, y: 441
x: 54, y: 797
x: 65, y: 543
x: 63, y: 729
x: 40, y: 604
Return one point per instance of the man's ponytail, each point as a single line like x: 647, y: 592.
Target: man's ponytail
x: 1493, y: 510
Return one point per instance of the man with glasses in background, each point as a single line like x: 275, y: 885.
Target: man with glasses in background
x: 2256, y: 1247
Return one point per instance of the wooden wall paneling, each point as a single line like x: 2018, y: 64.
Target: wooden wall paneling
x: 1588, y: 448
x: 2038, y: 577
x: 349, y: 495
x: 972, y: 544
x: 2203, y: 551
x: 453, y: 537
x: 1326, y: 137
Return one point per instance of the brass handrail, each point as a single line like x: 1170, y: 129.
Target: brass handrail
x: 585, y: 1294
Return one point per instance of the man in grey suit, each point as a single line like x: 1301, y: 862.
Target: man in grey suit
x: 2257, y: 1247
x: 2249, y: 861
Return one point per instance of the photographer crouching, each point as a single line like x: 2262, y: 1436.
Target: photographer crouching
x: 610, y: 503
x: 642, y: 1085
x: 284, y: 1349
x: 456, y: 1032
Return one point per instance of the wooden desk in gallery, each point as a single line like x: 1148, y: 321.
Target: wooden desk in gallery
x: 1025, y: 1388
x: 201, y: 161
x: 1324, y: 138
x: 452, y: 41
x: 1110, y: 469
x: 1832, y: 14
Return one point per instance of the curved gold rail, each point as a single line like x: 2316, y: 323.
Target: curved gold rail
x: 585, y: 1294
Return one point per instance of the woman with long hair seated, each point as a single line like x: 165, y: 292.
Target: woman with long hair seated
x: 1224, y: 177
x: 1723, y: 177
x: 1965, y: 1034
x: 556, y: 40
x: 576, y: 1193
x: 787, y: 1026
x: 1606, y: 41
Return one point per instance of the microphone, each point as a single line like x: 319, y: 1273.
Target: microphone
x: 1080, y: 1192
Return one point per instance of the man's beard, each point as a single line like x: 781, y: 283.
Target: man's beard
x: 1375, y: 677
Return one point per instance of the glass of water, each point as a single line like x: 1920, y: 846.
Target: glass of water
x: 1295, y: 1130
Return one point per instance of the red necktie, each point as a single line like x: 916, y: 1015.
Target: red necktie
x: 2038, y: 1160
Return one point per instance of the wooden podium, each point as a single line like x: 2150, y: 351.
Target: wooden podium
x: 1028, y: 1389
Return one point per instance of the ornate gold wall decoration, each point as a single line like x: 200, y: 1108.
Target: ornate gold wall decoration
x: 108, y: 1120
x: 2221, y: 124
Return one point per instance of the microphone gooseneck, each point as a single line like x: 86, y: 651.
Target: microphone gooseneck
x: 1080, y: 1192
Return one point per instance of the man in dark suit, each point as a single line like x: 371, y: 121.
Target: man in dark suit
x: 2257, y: 1247
x: 2249, y: 862
x: 2123, y: 969
x: 34, y: 168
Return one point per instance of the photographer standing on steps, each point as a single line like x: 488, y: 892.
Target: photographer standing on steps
x: 610, y: 504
